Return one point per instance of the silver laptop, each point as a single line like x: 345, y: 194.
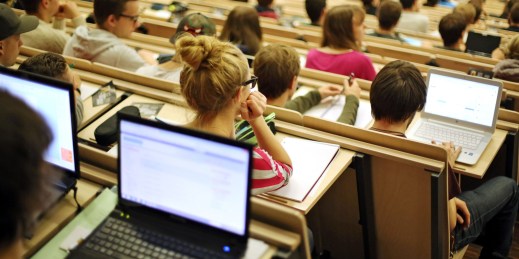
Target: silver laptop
x: 459, y: 108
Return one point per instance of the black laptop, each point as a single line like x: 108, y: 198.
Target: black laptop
x: 482, y: 44
x: 182, y: 194
x: 54, y: 101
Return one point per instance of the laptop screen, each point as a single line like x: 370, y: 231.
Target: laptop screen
x: 461, y: 99
x: 52, y: 100
x: 181, y: 173
x: 477, y: 42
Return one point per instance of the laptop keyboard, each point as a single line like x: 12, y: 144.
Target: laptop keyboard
x: 466, y: 140
x: 120, y: 239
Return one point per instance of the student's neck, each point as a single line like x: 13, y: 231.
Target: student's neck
x: 170, y: 65
x: 222, y: 124
x: 44, y: 16
x: 390, y: 127
x: 280, y: 101
x: 386, y: 32
x: 456, y: 46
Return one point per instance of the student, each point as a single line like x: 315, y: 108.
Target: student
x: 11, y: 28
x: 55, y: 66
x: 508, y: 68
x: 194, y: 24
x: 452, y: 29
x: 513, y: 19
x: 50, y: 34
x: 242, y: 28
x: 370, y: 6
x: 115, y: 19
x: 396, y: 94
x: 264, y: 9
x: 24, y: 137
x: 316, y: 10
x: 343, y: 31
x: 468, y: 11
x: 278, y: 80
x: 412, y: 19
x: 507, y: 8
x: 388, y: 14
x: 216, y: 84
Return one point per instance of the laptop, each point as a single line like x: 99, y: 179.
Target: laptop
x: 181, y: 193
x: 459, y: 108
x: 54, y: 101
x: 482, y: 44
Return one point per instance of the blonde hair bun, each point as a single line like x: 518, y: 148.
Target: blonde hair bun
x: 195, y: 51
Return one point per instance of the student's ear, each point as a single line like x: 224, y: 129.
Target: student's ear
x: 1, y: 47
x: 239, y: 95
x: 293, y: 85
x: 45, y: 3
x: 111, y: 21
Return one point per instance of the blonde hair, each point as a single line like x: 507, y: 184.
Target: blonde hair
x: 212, y: 73
x: 512, y: 50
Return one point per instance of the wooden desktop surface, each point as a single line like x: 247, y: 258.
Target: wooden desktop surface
x: 59, y: 215
x: 169, y: 111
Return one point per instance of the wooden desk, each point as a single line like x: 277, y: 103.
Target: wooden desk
x: 177, y: 113
x: 59, y: 215
x: 338, y: 165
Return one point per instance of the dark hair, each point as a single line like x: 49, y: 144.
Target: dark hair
x: 104, y: 8
x: 388, y: 14
x: 431, y: 3
x: 406, y: 4
x: 507, y: 8
x: 397, y: 92
x: 451, y: 28
x: 275, y: 66
x: 46, y: 64
x: 265, y: 3
x: 513, y: 16
x: 314, y: 9
x: 478, y: 4
x: 242, y: 27
x: 30, y: 6
x: 338, y: 27
x: 24, y: 137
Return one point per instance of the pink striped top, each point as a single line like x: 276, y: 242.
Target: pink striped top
x: 268, y: 174
x: 344, y: 63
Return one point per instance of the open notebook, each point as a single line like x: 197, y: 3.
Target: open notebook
x: 331, y: 108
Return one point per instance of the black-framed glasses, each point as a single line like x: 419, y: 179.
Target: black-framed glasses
x: 134, y: 18
x: 253, y: 80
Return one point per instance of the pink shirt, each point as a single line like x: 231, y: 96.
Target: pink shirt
x: 268, y: 174
x: 344, y: 64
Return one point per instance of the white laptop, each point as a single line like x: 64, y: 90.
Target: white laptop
x: 459, y: 108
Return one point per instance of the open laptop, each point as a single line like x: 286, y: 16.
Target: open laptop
x: 459, y: 108
x: 482, y: 44
x: 181, y: 193
x: 54, y: 101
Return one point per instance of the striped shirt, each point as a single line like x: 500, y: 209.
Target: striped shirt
x: 268, y: 174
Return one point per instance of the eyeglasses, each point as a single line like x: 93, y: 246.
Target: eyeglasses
x: 134, y: 18
x: 253, y: 80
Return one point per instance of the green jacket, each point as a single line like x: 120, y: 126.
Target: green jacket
x: 309, y: 100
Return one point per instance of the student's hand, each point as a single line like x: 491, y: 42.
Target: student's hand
x: 462, y: 213
x: 329, y: 90
x: 149, y: 57
x: 253, y: 108
x: 498, y: 54
x: 353, y: 89
x: 68, y: 10
x: 452, y: 152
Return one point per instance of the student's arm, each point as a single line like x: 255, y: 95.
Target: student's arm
x: 349, y: 111
x: 68, y: 10
x: 304, y: 103
x: 252, y: 110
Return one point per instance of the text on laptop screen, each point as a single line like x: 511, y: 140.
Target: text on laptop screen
x: 53, y: 104
x: 461, y: 99
x: 198, y: 179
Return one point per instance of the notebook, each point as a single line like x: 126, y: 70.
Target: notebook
x: 54, y: 101
x: 463, y: 109
x: 181, y: 193
x: 482, y: 44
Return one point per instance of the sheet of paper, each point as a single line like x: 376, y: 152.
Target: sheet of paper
x: 309, y: 160
x: 255, y: 249
x: 74, y: 238
x: 331, y: 108
x: 88, y: 89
